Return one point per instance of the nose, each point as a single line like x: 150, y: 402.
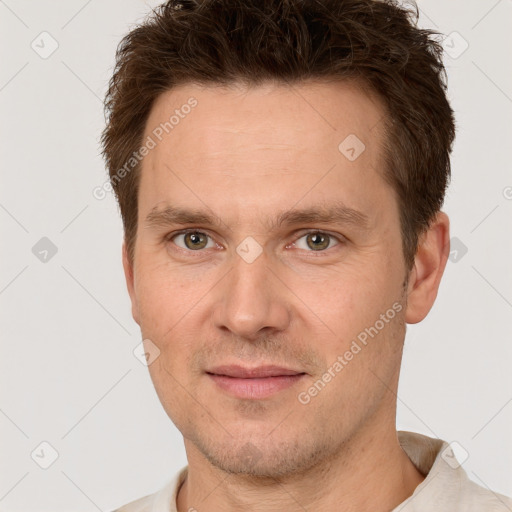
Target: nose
x: 252, y: 300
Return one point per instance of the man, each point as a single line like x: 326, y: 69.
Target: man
x: 280, y: 168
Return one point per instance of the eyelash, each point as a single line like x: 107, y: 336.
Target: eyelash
x: 339, y: 239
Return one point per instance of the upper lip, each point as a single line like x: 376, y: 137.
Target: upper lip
x: 241, y: 372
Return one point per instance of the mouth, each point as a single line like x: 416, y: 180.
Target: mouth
x: 254, y: 383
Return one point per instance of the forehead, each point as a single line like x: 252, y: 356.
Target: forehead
x: 319, y: 112
x: 264, y: 145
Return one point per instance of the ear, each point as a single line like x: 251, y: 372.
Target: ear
x: 429, y: 265
x: 130, y: 284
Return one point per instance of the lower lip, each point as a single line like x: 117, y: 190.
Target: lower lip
x: 255, y: 388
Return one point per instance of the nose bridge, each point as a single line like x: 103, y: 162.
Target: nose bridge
x: 251, y: 298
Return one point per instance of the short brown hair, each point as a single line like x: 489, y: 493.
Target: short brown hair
x: 288, y: 41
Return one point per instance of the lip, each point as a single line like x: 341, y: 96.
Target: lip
x: 254, y: 383
x: 257, y: 372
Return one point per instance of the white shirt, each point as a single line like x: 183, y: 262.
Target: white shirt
x: 446, y: 487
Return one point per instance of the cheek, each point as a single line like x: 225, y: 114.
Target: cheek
x: 352, y: 301
x: 167, y: 318
x: 162, y: 299
x: 171, y: 305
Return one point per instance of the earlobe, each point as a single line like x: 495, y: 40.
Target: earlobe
x: 130, y: 283
x: 429, y: 266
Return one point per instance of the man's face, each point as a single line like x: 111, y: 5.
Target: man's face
x: 255, y: 288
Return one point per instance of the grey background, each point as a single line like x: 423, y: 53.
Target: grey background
x: 68, y: 374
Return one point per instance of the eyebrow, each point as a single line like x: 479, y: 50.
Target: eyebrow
x: 336, y: 213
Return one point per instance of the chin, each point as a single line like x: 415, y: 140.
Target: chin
x: 264, y: 458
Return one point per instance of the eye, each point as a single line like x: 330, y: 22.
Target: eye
x: 192, y: 240
x: 317, y: 241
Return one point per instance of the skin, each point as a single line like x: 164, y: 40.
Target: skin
x: 245, y: 155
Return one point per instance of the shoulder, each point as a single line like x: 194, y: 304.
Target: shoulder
x: 140, y: 505
x: 162, y: 501
x: 479, y: 499
x: 447, y: 486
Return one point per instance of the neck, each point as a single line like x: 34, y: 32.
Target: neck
x: 371, y: 472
